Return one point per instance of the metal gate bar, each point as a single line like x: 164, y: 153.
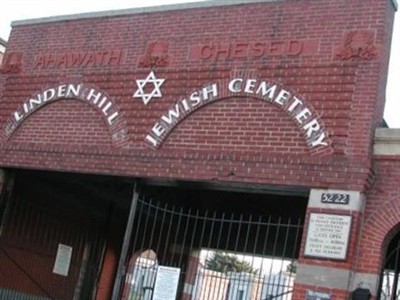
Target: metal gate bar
x: 31, y: 229
x: 390, y: 275
x: 258, y: 253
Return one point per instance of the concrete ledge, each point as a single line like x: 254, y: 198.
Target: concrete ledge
x: 141, y: 10
x: 387, y: 141
x: 334, y: 278
x: 326, y: 277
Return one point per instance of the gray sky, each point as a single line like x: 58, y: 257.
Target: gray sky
x: 27, y: 9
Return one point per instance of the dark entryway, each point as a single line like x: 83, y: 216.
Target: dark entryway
x: 227, y: 241
x: 225, y: 244
x: 54, y: 231
x: 389, y: 283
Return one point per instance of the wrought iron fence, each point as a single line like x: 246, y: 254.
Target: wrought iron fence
x: 31, y: 232
x: 219, y: 255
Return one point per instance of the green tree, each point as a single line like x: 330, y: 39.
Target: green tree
x: 224, y: 262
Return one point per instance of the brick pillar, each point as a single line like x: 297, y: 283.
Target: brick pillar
x: 328, y: 255
x: 111, y: 259
x: 191, y: 273
x: 107, y: 276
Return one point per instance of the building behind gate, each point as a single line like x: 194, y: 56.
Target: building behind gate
x: 139, y: 146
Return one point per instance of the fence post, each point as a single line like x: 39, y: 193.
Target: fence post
x: 124, y: 250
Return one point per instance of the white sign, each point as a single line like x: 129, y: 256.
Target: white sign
x: 328, y: 236
x: 63, y: 260
x: 166, y: 283
x: 313, y: 295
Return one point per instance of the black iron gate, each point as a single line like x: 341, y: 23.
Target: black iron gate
x: 219, y: 255
x: 47, y: 249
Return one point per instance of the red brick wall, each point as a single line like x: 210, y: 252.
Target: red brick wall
x: 44, y: 127
x: 340, y: 74
x: 372, y: 230
x: 302, y: 292
x: 382, y: 215
x: 233, y: 139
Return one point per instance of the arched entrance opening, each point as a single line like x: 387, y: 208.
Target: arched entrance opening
x: 215, y: 243
x: 389, y: 288
x: 141, y: 275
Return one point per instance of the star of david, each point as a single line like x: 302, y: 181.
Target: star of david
x: 156, y: 92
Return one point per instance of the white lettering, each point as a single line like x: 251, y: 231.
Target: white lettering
x: 73, y: 90
x: 319, y: 141
x: 152, y: 140
x: 282, y: 97
x: 103, y: 100
x: 185, y: 105
x: 9, y: 129
x: 303, y: 115
x: 262, y: 88
x: 195, y: 99
x: 112, y: 118
x: 17, y: 116
x: 311, y: 127
x: 61, y: 91
x: 94, y: 96
x: 106, y: 108
x: 270, y: 92
x: 36, y: 102
x: 158, y: 130
x: 295, y: 103
x: 211, y: 89
x: 171, y: 114
x: 49, y: 94
x: 289, y: 103
x: 250, y: 84
x: 235, y: 85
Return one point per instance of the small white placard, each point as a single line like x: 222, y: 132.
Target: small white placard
x: 63, y: 260
x: 314, y: 295
x: 166, y: 285
x: 328, y: 236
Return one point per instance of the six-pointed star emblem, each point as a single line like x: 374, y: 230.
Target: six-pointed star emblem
x: 156, y: 92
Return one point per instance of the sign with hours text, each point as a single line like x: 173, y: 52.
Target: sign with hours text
x: 328, y: 236
x: 166, y: 285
